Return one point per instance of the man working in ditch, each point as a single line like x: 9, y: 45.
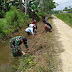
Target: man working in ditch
x: 15, y: 43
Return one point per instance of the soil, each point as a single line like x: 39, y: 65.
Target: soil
x: 65, y: 39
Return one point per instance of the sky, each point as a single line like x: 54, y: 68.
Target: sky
x: 63, y: 4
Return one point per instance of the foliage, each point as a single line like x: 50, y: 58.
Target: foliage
x: 2, y: 14
x: 33, y: 6
x: 47, y: 5
x: 67, y: 9
x: 66, y: 17
x: 2, y: 25
x: 42, y: 14
x: 1, y: 29
x: 56, y: 12
x: 13, y: 21
x: 33, y: 10
x: 4, y: 5
x: 23, y: 64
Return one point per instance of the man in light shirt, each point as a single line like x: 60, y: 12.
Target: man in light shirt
x: 31, y: 25
x: 30, y: 29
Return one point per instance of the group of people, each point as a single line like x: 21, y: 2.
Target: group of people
x: 15, y: 42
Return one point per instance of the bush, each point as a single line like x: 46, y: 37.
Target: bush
x: 2, y: 25
x: 13, y: 21
x: 2, y: 14
x: 42, y: 14
x: 34, y: 15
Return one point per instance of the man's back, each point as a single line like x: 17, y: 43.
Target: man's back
x: 48, y: 24
x: 29, y: 29
x: 31, y: 25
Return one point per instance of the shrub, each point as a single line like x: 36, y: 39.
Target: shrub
x: 2, y: 14
x: 2, y: 25
x: 42, y: 14
x: 13, y: 21
x: 34, y: 15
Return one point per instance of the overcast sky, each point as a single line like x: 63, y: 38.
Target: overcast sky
x: 63, y: 4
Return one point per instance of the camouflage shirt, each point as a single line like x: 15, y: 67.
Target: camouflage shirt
x: 15, y: 44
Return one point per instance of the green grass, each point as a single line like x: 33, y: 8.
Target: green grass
x: 41, y: 59
x: 22, y: 63
x: 66, y: 17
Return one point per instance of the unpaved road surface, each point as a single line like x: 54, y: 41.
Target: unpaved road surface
x: 65, y: 34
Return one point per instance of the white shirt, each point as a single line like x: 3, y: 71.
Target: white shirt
x: 31, y: 25
x: 29, y: 29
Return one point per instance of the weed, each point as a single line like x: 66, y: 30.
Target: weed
x: 24, y: 63
x: 12, y: 22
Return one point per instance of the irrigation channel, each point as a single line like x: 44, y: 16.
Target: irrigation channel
x: 5, y: 52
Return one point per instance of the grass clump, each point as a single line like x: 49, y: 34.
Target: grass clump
x: 66, y: 17
x: 22, y: 64
x: 2, y: 14
x: 13, y: 21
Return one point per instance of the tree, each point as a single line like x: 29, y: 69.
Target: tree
x: 25, y: 7
x: 69, y: 7
x: 33, y: 6
x: 20, y: 4
x: 65, y: 9
x: 47, y: 5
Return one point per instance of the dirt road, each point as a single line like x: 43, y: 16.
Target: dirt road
x: 65, y: 34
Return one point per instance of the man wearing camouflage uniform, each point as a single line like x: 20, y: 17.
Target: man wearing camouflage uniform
x: 15, y: 45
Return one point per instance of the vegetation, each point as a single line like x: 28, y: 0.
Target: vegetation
x: 12, y: 22
x: 67, y: 9
x: 22, y: 64
x: 2, y: 14
x: 42, y: 57
x: 66, y: 17
x: 47, y: 5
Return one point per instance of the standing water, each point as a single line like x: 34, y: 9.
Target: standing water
x: 5, y: 51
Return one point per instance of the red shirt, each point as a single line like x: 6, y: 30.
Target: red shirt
x: 34, y: 22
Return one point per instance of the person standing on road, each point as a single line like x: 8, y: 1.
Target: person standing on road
x: 15, y: 43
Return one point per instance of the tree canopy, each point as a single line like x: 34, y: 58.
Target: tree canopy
x: 47, y: 5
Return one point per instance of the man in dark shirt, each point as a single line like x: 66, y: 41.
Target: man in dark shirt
x: 15, y: 43
x: 47, y: 26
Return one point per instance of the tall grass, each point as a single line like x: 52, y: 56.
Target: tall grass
x: 2, y: 25
x: 22, y: 64
x: 66, y: 17
x: 13, y: 21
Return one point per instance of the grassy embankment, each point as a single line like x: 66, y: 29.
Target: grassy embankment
x: 66, y: 17
x: 13, y: 21
x: 42, y: 56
